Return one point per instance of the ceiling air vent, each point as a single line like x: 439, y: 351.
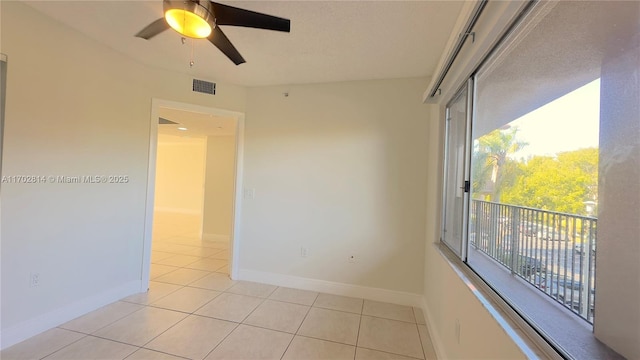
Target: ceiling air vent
x: 205, y: 87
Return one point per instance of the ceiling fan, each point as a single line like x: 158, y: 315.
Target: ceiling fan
x: 201, y: 19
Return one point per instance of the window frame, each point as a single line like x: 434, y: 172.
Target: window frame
x: 467, y: 89
x: 458, y: 261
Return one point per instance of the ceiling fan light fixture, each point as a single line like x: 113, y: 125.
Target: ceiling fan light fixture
x: 188, y: 23
x: 200, y: 19
x: 189, y: 18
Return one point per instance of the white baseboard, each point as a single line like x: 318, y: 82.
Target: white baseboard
x: 177, y: 211
x: 330, y: 287
x: 44, y: 322
x: 438, y: 346
x: 215, y: 237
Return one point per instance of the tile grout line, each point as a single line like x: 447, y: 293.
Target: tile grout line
x: 167, y: 329
x: 223, y: 339
x: 288, y: 346
x: 355, y: 353
x: 158, y: 351
x: 406, y: 322
x: 254, y: 309
x: 392, y: 319
x: 342, y: 311
x: 172, y: 326
x: 296, y: 334
x: 100, y: 328
x: 299, y: 326
x: 265, y: 300
x: 112, y: 340
x: 134, y: 351
x: 264, y: 328
x: 184, y: 285
x: 391, y: 353
x: 194, y: 314
x: 162, y: 297
x: 161, y: 333
x: 290, y: 302
x: 424, y: 354
x: 303, y: 319
x: 101, y: 338
x: 65, y: 346
x: 325, y: 340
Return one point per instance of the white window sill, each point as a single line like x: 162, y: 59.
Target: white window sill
x: 576, y: 341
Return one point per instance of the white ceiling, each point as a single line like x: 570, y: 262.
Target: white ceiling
x: 197, y: 124
x: 329, y: 40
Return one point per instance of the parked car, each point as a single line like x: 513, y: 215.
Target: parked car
x: 528, y: 229
x: 552, y: 234
x: 528, y: 265
x: 540, y: 281
x: 580, y: 248
x: 561, y: 290
x: 569, y: 292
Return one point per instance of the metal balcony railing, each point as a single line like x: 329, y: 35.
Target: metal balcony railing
x: 552, y: 251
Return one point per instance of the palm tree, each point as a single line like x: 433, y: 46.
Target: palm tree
x: 481, y: 172
x: 495, y: 147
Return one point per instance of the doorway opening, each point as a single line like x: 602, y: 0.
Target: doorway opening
x: 193, y: 193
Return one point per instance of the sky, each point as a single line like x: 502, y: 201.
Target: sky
x: 568, y: 123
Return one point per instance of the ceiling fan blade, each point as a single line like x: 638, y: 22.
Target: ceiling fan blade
x: 220, y: 40
x: 229, y: 15
x: 153, y: 29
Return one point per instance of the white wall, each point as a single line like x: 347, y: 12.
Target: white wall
x: 180, y: 173
x: 75, y: 107
x: 339, y: 169
x: 617, y: 301
x: 219, y: 188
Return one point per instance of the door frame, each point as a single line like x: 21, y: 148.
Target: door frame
x: 234, y: 240
x: 3, y: 97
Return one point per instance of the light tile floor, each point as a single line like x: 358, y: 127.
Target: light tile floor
x: 193, y: 310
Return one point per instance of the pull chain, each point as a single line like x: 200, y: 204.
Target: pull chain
x: 184, y: 23
x: 192, y: 46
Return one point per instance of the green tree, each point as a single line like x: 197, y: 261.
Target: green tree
x: 481, y: 170
x: 562, y: 183
x: 491, y: 160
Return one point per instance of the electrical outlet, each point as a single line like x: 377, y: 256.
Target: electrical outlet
x: 352, y: 258
x: 34, y: 279
x: 304, y: 252
x: 249, y: 193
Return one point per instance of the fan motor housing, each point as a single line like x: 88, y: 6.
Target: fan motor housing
x: 202, y: 9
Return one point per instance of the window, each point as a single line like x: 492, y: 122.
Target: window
x: 551, y: 109
x: 454, y: 225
